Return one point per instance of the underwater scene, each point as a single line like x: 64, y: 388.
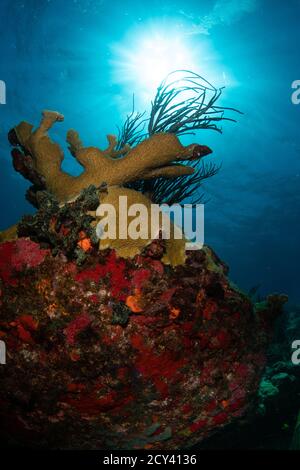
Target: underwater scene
x: 149, y: 230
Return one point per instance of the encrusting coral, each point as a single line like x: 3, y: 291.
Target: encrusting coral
x: 174, y: 247
x: 10, y: 234
x: 125, y: 354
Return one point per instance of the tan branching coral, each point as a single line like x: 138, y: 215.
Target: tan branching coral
x: 151, y: 158
x: 40, y: 161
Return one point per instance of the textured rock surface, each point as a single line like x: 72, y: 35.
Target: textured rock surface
x: 125, y: 354
x: 272, y: 423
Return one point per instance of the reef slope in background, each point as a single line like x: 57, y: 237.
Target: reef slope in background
x: 120, y: 354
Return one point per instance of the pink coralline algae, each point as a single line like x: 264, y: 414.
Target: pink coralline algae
x: 75, y: 326
x: 17, y: 255
x: 87, y: 371
x: 114, y: 268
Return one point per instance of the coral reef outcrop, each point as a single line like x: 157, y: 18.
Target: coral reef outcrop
x: 118, y: 354
x: 138, y: 344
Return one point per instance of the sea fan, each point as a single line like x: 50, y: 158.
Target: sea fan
x: 184, y: 103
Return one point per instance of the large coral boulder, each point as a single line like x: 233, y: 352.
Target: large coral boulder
x: 118, y: 354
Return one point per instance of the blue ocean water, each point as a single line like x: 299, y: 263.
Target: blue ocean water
x: 86, y: 59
